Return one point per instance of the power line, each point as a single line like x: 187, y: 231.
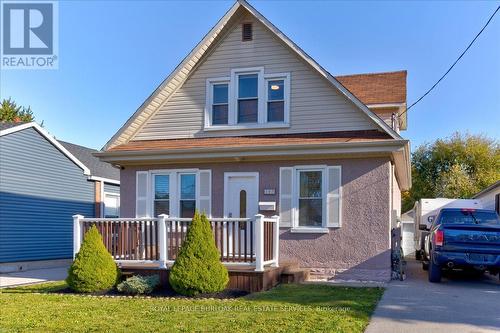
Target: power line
x: 453, y: 65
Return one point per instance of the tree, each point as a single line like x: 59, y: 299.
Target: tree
x: 93, y: 270
x: 455, y: 167
x: 11, y: 112
x: 197, y: 268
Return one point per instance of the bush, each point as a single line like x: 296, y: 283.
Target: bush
x: 93, y: 270
x: 197, y: 268
x: 138, y: 285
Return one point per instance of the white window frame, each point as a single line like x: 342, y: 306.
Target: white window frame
x: 295, y: 199
x: 179, y: 190
x: 235, y: 74
x: 110, y: 194
x: 286, y: 95
x: 232, y: 82
x: 210, y: 99
x: 174, y: 188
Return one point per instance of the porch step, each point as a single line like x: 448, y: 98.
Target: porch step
x: 295, y: 275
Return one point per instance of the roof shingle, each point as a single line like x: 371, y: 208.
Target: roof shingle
x: 97, y: 167
x: 251, y: 141
x: 377, y: 88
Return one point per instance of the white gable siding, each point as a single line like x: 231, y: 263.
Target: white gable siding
x: 315, y: 105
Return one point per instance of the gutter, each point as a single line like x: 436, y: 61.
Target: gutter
x: 105, y: 180
x: 342, y: 147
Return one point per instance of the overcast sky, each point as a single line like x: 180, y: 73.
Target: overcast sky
x: 113, y: 54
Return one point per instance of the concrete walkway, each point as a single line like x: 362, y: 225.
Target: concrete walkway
x: 33, y: 276
x: 460, y: 303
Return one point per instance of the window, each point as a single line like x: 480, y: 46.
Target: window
x: 275, y: 100
x: 248, y: 98
x: 111, y: 205
x: 187, y: 202
x: 243, y: 204
x: 310, y: 198
x: 220, y: 106
x: 161, y: 194
x: 246, y: 32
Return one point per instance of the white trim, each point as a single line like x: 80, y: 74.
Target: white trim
x: 200, y: 197
x: 286, y: 96
x: 147, y: 198
x: 227, y: 175
x: 310, y: 230
x: 110, y: 194
x: 296, y: 196
x: 247, y: 126
x: 209, y: 98
x: 179, y: 190
x: 262, y: 100
x: 49, y: 138
x: 339, y: 167
x: 173, y: 187
x: 325, y: 174
x: 233, y: 93
x: 106, y: 180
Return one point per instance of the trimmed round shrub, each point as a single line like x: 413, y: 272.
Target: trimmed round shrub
x: 93, y: 270
x: 138, y: 285
x: 197, y: 269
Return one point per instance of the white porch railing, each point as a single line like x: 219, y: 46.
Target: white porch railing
x: 240, y: 241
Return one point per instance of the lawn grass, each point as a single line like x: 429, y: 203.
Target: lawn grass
x: 286, y: 308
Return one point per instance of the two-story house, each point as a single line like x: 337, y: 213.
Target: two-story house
x: 248, y: 123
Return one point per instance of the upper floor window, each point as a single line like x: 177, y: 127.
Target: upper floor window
x: 275, y: 100
x: 248, y: 99
x: 220, y: 104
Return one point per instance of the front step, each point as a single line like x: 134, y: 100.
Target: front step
x: 296, y: 275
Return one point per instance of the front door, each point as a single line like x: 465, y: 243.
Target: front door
x: 241, y: 194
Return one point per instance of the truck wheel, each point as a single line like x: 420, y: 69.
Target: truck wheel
x: 425, y: 265
x: 418, y: 255
x: 434, y: 271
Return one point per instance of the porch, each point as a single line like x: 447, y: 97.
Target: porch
x: 244, y: 244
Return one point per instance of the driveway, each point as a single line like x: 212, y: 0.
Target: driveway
x: 460, y: 303
x: 33, y: 276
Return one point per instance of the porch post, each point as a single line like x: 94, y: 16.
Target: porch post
x: 162, y: 239
x: 259, y: 243
x: 276, y: 241
x: 77, y: 234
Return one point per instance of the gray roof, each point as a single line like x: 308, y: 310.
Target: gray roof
x: 96, y: 166
x: 6, y: 125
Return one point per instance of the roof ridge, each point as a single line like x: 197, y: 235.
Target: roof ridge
x: 372, y: 73
x: 75, y: 144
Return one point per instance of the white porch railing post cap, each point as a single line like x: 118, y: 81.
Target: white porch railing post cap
x: 275, y: 216
x: 78, y: 216
x: 259, y: 215
x: 163, y: 216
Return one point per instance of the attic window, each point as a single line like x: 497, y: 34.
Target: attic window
x: 247, y: 32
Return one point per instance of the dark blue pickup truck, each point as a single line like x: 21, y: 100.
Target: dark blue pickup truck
x: 463, y: 239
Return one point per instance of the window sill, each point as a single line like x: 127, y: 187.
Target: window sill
x: 245, y: 127
x: 311, y: 230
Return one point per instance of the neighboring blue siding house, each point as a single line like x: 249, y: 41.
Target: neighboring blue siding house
x: 43, y: 182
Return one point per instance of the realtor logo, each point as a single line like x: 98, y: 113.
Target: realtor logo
x: 29, y: 35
